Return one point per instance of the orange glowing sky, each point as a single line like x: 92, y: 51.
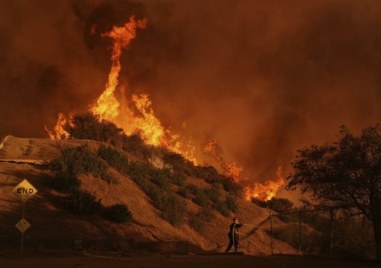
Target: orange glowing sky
x: 261, y: 78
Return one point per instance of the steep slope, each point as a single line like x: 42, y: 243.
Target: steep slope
x: 55, y: 226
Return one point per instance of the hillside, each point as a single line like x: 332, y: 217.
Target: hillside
x: 54, y: 226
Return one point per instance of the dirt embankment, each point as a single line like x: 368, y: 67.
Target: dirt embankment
x: 53, y: 226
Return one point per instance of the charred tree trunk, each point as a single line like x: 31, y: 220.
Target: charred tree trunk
x: 376, y: 211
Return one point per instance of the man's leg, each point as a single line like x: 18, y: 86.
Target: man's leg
x: 230, y: 244
x: 236, y: 242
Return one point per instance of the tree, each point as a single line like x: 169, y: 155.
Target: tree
x: 345, y: 173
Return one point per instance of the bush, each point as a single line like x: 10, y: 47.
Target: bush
x: 137, y: 171
x: 118, y: 213
x: 110, y: 179
x: 231, y: 187
x: 134, y: 144
x: 178, y: 162
x: 161, y: 179
x: 199, y: 220
x: 65, y: 182
x: 213, y: 194
x: 178, y: 179
x: 200, y: 198
x: 222, y: 208
x: 173, y: 209
x: 158, y: 190
x: 83, y: 203
x: 280, y: 204
x: 193, y: 189
x: 77, y: 161
x: 208, y: 173
x: 185, y: 192
x: 259, y: 202
x: 88, y: 126
x: 114, y: 158
x: 74, y: 162
x: 231, y: 203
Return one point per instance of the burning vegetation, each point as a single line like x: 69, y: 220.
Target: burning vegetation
x: 267, y: 190
x: 136, y: 116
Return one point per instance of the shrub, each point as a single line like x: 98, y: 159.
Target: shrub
x: 178, y: 162
x: 199, y: 220
x: 280, y: 204
x: 231, y: 187
x: 157, y: 196
x: 83, y: 203
x: 185, y: 192
x: 208, y: 173
x: 77, y: 161
x: 277, y: 204
x: 173, y: 209
x: 81, y: 160
x: 178, y: 178
x: 137, y: 170
x: 74, y: 162
x: 231, y: 203
x: 259, y: 202
x: 193, y: 188
x: 158, y: 190
x: 65, y: 182
x: 200, y: 198
x: 88, y: 126
x: 114, y: 158
x: 213, y: 194
x: 161, y: 179
x: 107, y: 177
x: 133, y: 143
x: 118, y: 213
x: 222, y: 208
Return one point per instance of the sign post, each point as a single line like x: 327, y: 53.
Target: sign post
x: 24, y: 190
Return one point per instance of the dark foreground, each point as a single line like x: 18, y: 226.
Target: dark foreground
x: 186, y: 261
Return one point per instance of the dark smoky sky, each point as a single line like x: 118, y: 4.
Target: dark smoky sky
x: 262, y: 77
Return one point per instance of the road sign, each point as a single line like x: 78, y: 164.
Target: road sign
x: 23, y: 225
x: 24, y: 190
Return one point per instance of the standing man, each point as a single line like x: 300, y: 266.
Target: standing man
x: 233, y: 235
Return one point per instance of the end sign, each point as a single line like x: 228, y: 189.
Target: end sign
x: 24, y: 190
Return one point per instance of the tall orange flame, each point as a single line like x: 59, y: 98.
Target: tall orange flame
x: 144, y: 122
x: 138, y: 118
x: 267, y: 190
x: 59, y: 131
x: 107, y: 106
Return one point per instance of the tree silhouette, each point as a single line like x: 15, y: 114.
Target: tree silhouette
x: 345, y: 173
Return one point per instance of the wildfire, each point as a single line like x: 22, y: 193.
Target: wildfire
x: 232, y: 170
x: 148, y: 124
x: 265, y: 191
x: 107, y: 106
x: 136, y: 115
x: 59, y: 131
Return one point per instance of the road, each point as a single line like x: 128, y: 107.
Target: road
x: 187, y: 261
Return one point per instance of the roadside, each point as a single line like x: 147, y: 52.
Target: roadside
x: 185, y: 261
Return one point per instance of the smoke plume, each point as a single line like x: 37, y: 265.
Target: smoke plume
x: 261, y: 78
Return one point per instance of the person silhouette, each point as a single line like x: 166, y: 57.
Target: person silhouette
x: 233, y: 235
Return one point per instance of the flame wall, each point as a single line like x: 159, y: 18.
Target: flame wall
x: 261, y: 78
